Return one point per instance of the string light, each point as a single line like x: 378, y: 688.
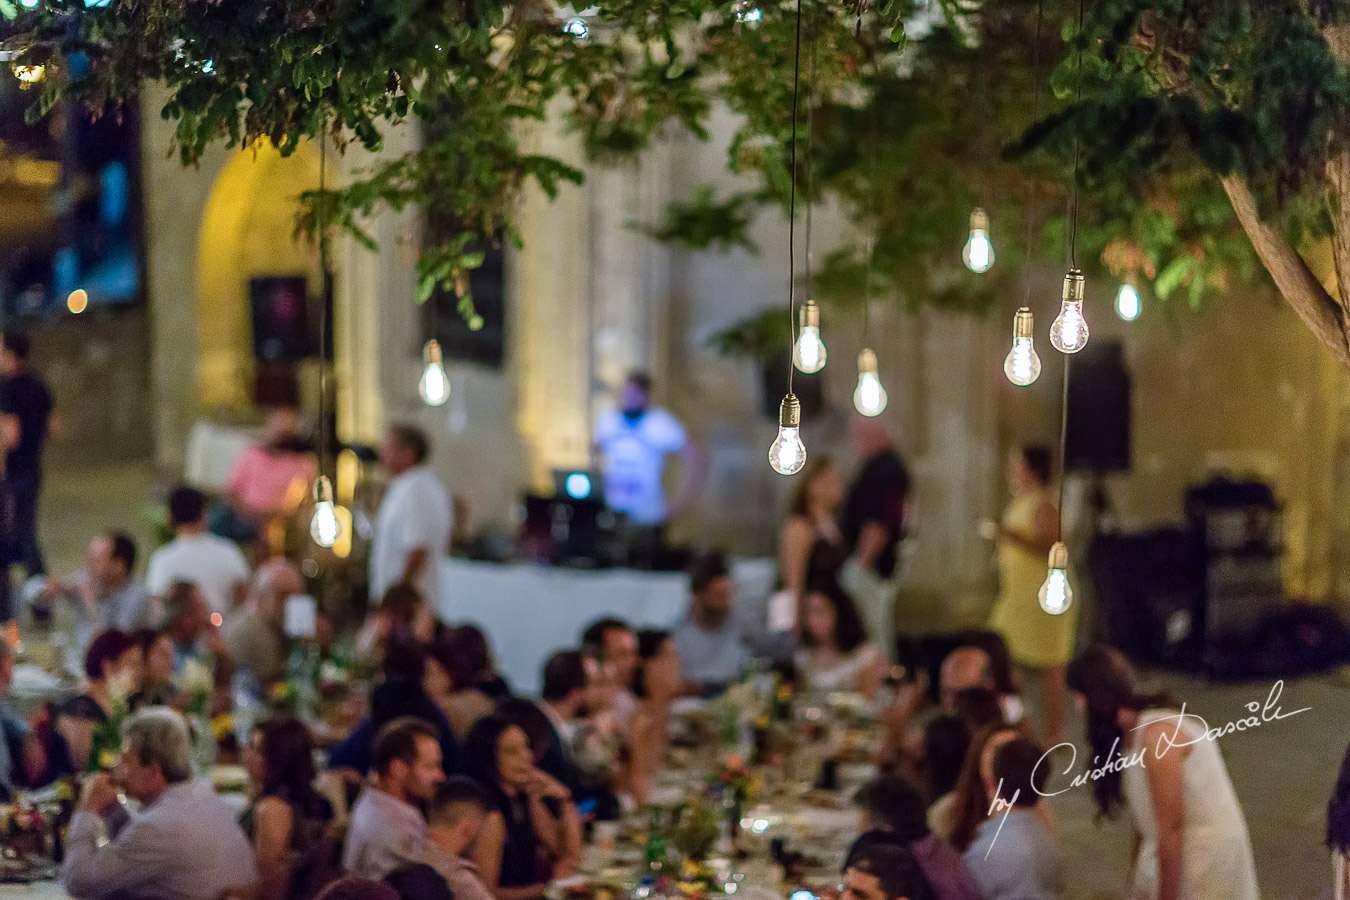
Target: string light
x: 978, y: 254
x: 809, y: 354
x: 78, y: 301
x: 787, y: 454
x: 324, y: 528
x: 1022, y: 365
x: 434, y: 385
x: 576, y: 26
x: 1069, y: 332
x: 869, y: 397
x: 1127, y: 302
x: 1056, y: 595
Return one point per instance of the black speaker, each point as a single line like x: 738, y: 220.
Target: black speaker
x: 1099, y: 409
x: 280, y: 307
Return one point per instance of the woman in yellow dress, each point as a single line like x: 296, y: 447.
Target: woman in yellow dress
x: 1041, y: 644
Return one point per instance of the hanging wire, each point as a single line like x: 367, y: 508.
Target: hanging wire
x: 810, y: 129
x: 871, y: 183
x: 1035, y: 117
x: 323, y: 304
x: 1073, y: 264
x: 792, y: 203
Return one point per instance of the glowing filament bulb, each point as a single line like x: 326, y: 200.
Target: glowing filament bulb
x: 435, y: 384
x: 869, y: 397
x: 978, y: 253
x: 1127, y: 302
x: 576, y: 26
x: 788, y: 453
x: 324, y: 528
x: 808, y: 355
x: 1069, y: 332
x: 1056, y: 595
x: 1022, y: 365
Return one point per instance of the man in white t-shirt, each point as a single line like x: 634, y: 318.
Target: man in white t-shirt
x: 632, y: 443
x: 412, y: 528
x: 212, y: 563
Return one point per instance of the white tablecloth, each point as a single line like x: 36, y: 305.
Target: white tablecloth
x: 528, y: 612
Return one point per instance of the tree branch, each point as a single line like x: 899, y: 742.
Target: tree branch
x: 1296, y: 282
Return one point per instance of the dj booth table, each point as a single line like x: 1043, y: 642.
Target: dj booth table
x: 529, y: 611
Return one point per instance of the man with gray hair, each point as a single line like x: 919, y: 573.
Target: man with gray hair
x: 183, y: 844
x: 257, y: 639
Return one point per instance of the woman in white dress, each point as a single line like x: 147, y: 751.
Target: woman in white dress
x: 1338, y: 832
x: 834, y: 653
x: 1192, y: 841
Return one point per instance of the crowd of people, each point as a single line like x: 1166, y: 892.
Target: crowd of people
x: 452, y: 785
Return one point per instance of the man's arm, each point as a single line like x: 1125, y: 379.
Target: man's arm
x: 413, y: 566
x: 129, y: 861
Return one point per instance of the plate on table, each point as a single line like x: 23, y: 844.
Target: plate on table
x: 228, y: 779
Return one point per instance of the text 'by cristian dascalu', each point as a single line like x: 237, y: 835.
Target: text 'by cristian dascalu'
x: 1261, y: 714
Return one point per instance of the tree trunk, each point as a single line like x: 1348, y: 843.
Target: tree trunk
x: 1326, y: 318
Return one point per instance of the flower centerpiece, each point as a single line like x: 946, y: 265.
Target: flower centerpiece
x: 696, y: 829
x: 734, y: 779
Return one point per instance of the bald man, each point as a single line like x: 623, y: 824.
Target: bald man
x: 257, y: 638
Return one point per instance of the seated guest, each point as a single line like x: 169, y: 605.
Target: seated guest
x: 212, y: 563
x: 403, y: 615
x: 156, y: 668
x: 892, y: 807
x: 656, y: 685
x: 1013, y: 856
x: 400, y: 693
x: 979, y: 708
x: 834, y: 654
x: 269, y: 480
x: 21, y: 756
x: 387, y: 830
x: 550, y: 754
x: 418, y: 881
x: 946, y: 741
x: 615, y: 646
x: 256, y: 637
x: 713, y: 647
x: 105, y: 594
x: 187, y: 623
x: 973, y: 666
x: 570, y: 679
x: 351, y: 888
x: 184, y: 843
x: 287, y: 817
x: 113, y: 666
x: 451, y: 680
x: 470, y: 644
x: 884, y: 871
x: 455, y: 816
x: 533, y: 834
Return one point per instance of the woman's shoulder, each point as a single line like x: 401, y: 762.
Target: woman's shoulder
x: 83, y: 706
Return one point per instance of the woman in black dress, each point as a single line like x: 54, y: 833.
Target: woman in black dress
x: 534, y: 834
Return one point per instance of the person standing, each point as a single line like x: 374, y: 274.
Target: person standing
x: 1041, y: 643
x: 213, y: 564
x: 26, y: 402
x: 632, y: 444
x: 1192, y: 839
x: 412, y: 528
x: 873, y: 522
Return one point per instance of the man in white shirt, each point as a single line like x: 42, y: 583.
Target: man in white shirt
x: 632, y: 443
x: 212, y: 563
x: 412, y: 528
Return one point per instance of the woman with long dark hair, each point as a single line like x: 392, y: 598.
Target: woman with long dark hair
x: 287, y: 818
x: 834, y: 653
x: 811, y: 547
x: 1193, y: 841
x: 1338, y: 831
x: 534, y: 834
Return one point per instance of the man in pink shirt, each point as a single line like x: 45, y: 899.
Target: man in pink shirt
x: 271, y: 478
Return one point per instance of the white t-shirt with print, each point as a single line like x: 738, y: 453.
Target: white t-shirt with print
x: 635, y: 458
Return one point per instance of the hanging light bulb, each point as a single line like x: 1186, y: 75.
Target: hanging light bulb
x: 808, y: 354
x: 1127, y: 302
x: 1069, y: 332
x: 788, y: 453
x: 435, y: 384
x: 576, y: 26
x: 1056, y: 595
x: 869, y: 397
x: 1022, y: 365
x: 324, y: 527
x: 979, y: 252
